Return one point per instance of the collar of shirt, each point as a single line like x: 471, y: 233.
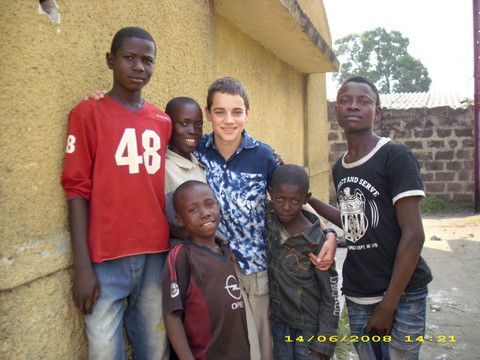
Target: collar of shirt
x: 180, y: 161
x: 247, y: 142
x: 311, y: 233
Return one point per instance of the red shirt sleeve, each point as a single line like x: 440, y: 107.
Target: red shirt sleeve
x: 175, y: 280
x: 79, y: 152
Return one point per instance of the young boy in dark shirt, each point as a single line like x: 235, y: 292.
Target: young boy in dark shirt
x: 304, y: 307
x: 379, y: 191
x: 202, y: 304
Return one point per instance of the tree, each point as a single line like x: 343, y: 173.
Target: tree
x: 382, y: 57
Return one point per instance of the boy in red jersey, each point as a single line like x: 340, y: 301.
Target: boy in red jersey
x: 114, y: 178
x: 202, y: 302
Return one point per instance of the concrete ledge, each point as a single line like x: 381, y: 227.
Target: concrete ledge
x: 23, y: 263
x: 284, y: 28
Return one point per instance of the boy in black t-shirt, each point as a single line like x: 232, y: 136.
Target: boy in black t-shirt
x: 379, y: 191
x: 203, y: 308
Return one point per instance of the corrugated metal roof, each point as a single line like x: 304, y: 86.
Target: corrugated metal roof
x: 429, y: 99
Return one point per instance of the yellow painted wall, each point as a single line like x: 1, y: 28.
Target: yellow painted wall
x: 45, y: 71
x: 276, y: 90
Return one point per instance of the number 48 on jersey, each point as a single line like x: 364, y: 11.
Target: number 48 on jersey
x: 127, y: 151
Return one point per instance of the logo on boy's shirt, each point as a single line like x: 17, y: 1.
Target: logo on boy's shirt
x: 352, y: 209
x: 174, y: 290
x: 231, y: 285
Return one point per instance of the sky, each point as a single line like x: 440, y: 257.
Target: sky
x: 440, y: 34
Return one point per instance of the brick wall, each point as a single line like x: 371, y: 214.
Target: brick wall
x: 442, y: 140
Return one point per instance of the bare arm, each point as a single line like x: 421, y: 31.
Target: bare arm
x: 329, y: 212
x: 177, y: 336
x: 326, y: 256
x: 408, y: 252
x: 85, y: 284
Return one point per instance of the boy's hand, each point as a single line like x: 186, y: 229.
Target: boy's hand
x: 85, y: 290
x: 381, y: 321
x: 326, y: 256
x: 96, y: 95
x: 278, y: 158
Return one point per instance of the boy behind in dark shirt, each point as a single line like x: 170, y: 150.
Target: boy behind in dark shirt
x: 304, y: 308
x: 202, y: 305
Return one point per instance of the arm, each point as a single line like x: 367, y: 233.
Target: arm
x: 329, y: 212
x: 85, y: 284
x: 177, y: 336
x: 408, y: 252
x: 329, y: 311
x: 326, y: 256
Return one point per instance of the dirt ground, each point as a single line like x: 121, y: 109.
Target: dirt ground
x: 452, y: 249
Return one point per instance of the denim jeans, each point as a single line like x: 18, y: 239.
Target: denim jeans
x: 137, y: 279
x: 292, y: 344
x: 408, y: 324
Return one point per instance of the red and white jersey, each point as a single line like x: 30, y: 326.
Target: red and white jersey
x: 115, y: 158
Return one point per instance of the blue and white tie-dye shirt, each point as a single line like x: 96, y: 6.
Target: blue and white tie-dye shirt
x: 240, y: 185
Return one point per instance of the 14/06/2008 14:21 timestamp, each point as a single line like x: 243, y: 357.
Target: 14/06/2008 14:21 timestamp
x: 374, y: 338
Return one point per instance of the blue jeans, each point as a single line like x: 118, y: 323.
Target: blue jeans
x: 137, y: 279
x: 408, y: 324
x: 291, y: 344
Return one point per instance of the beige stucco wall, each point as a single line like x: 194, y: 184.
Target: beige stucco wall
x: 46, y: 70
x: 275, y: 89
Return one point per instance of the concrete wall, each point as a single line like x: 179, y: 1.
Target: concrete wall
x: 47, y: 69
x: 441, y: 139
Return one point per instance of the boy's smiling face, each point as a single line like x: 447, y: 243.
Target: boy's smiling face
x: 356, y: 107
x: 228, y: 116
x: 187, y: 129
x: 132, y: 63
x: 197, y: 211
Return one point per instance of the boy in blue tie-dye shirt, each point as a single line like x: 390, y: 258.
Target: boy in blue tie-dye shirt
x: 239, y: 170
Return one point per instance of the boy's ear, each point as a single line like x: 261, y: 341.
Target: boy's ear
x: 179, y: 220
x: 269, y: 189
x: 109, y: 58
x: 378, y: 113
x: 307, y: 197
x: 207, y: 114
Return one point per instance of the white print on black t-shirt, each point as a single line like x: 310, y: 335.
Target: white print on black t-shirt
x: 334, y: 286
x: 355, y: 180
x: 352, y: 208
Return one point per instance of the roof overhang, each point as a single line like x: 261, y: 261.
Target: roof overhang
x: 284, y: 28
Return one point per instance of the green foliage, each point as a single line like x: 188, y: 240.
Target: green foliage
x: 467, y: 102
x: 382, y: 57
x: 432, y: 205
x: 344, y: 349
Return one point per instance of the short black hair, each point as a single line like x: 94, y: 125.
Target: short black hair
x: 227, y: 85
x: 363, y: 80
x: 184, y: 187
x: 130, y: 32
x: 291, y: 174
x: 176, y: 102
